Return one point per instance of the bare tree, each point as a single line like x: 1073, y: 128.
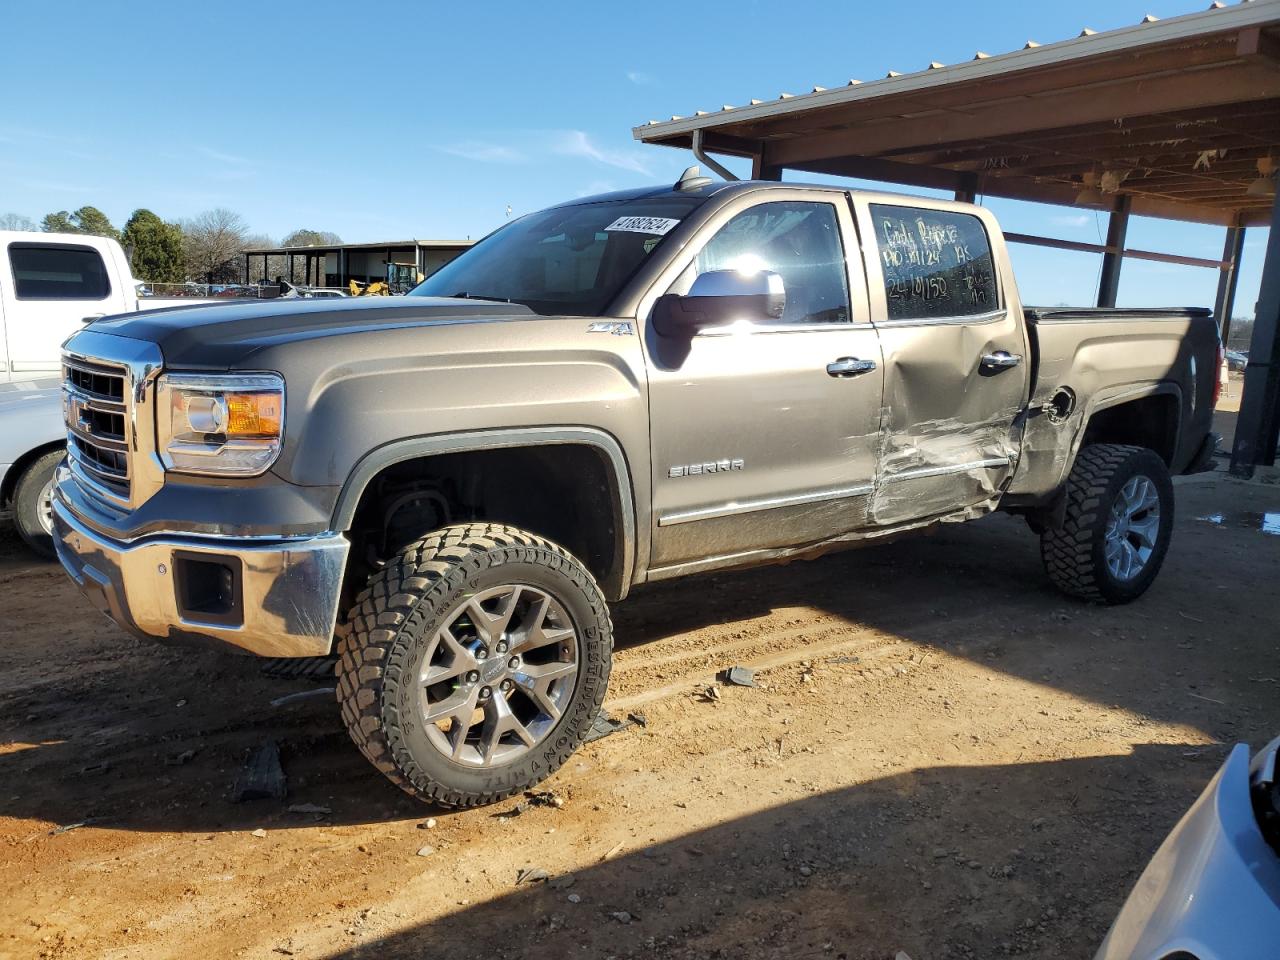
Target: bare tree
x: 277, y: 265
x: 212, y: 243
x: 16, y: 221
x: 311, y: 238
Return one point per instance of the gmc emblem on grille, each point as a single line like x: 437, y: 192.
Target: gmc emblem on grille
x: 80, y: 415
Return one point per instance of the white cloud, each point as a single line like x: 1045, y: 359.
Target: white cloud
x: 640, y: 78
x: 221, y: 157
x: 484, y: 152
x: 1076, y: 220
x: 577, y: 143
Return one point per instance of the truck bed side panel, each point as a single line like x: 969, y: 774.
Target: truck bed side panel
x: 1109, y: 357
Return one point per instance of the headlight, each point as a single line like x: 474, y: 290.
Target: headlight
x: 223, y: 425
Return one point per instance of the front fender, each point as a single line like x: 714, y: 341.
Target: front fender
x: 413, y: 448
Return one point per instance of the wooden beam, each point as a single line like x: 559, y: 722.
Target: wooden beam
x: 1255, y: 121
x: 886, y: 171
x: 761, y: 168
x: 1171, y: 93
x: 1254, y: 42
x: 1121, y: 67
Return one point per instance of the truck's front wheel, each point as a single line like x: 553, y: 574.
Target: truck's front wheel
x: 474, y: 663
x: 1117, y: 525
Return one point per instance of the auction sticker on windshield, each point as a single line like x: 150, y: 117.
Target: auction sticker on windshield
x: 660, y: 226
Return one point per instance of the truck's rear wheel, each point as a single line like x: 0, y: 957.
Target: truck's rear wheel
x: 1117, y: 526
x: 33, y: 504
x: 474, y: 663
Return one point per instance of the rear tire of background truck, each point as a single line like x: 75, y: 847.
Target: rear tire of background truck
x: 33, y: 504
x: 1117, y: 525
x: 473, y: 664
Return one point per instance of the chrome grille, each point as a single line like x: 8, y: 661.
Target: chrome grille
x: 94, y: 380
x: 96, y: 407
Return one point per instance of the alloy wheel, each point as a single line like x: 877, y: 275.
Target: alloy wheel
x: 497, y: 674
x: 1132, y: 528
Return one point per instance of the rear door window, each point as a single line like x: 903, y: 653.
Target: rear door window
x: 43, y: 271
x: 936, y: 263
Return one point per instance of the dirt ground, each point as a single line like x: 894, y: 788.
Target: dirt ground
x: 944, y: 757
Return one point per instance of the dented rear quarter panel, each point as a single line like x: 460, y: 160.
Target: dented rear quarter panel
x: 1106, y: 359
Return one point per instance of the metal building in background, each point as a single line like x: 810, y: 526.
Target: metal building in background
x: 1177, y: 119
x: 397, y: 263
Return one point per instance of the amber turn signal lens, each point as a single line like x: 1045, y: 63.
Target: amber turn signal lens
x: 253, y: 414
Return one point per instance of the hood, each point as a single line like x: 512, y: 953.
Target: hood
x: 222, y: 336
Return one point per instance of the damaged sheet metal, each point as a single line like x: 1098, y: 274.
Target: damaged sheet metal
x: 1088, y: 362
x: 950, y: 425
x: 944, y: 464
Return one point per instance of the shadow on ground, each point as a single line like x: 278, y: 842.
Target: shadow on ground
x: 856, y: 873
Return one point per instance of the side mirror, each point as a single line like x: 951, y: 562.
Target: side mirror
x: 718, y: 297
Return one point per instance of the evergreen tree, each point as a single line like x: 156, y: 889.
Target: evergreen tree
x: 59, y: 222
x: 93, y: 222
x: 155, y: 248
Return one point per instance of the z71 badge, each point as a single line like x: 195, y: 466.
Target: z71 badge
x: 711, y: 466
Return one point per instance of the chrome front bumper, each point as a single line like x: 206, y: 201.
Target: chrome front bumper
x: 285, y: 593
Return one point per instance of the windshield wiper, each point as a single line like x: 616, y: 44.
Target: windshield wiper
x: 465, y: 295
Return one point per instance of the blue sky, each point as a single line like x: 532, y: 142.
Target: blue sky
x: 391, y: 120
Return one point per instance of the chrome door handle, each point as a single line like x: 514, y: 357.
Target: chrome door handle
x: 1001, y: 360
x: 850, y: 367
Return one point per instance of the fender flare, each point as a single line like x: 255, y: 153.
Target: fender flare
x: 1137, y: 392
x: 413, y: 448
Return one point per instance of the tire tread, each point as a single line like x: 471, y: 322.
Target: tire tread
x: 371, y: 663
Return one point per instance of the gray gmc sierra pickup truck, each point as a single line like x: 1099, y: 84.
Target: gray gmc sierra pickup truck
x: 448, y: 487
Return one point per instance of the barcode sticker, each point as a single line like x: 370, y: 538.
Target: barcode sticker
x: 659, y: 226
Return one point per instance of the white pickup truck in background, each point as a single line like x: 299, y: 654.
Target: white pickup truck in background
x: 51, y: 285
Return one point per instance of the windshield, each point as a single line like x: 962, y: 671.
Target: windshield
x: 568, y: 260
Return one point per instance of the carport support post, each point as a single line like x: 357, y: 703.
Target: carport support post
x: 246, y: 269
x: 760, y: 170
x: 1113, y: 259
x: 1228, y: 274
x: 1259, y: 417
x: 967, y: 192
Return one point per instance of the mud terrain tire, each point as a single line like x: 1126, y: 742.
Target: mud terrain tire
x: 391, y: 635
x: 1101, y: 493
